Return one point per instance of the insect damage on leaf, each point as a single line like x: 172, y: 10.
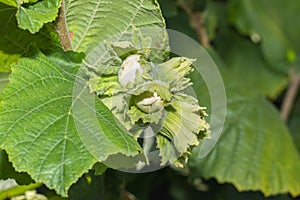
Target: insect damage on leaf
x: 143, y: 94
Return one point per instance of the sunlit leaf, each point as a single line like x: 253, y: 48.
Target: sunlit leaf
x: 15, y: 42
x: 34, y: 16
x: 38, y: 130
x: 102, y: 19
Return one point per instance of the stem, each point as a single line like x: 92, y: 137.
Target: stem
x: 197, y: 22
x: 18, y: 190
x: 62, y: 29
x: 290, y: 96
x: 200, y: 28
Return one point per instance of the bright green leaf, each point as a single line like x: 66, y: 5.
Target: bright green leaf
x: 291, y: 56
x: 3, y: 80
x: 9, y: 2
x: 255, y: 151
x: 15, y: 42
x: 167, y: 151
x: 99, y: 168
x: 28, y: 1
x: 15, y: 3
x: 37, y: 122
x: 174, y: 69
x: 36, y: 15
x: 181, y: 126
x: 100, y: 20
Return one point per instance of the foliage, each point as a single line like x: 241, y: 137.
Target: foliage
x: 49, y: 96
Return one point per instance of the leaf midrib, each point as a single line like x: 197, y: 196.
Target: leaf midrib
x: 88, y: 26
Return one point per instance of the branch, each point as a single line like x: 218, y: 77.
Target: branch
x: 197, y: 22
x: 62, y: 29
x: 290, y: 96
x: 200, y: 28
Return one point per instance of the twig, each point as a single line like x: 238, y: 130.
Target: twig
x: 200, y: 28
x: 290, y: 96
x: 62, y: 29
x: 197, y: 22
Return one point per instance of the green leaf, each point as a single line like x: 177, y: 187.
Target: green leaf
x: 213, y: 15
x: 36, y: 15
x: 255, y: 151
x: 15, y: 42
x: 167, y: 151
x: 247, y: 66
x: 15, y: 3
x: 174, y: 69
x: 38, y: 130
x: 28, y: 1
x: 272, y: 24
x: 106, y: 85
x: 100, y: 20
x: 99, y: 168
x: 9, y: 2
x: 184, y: 125
x: 3, y: 80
